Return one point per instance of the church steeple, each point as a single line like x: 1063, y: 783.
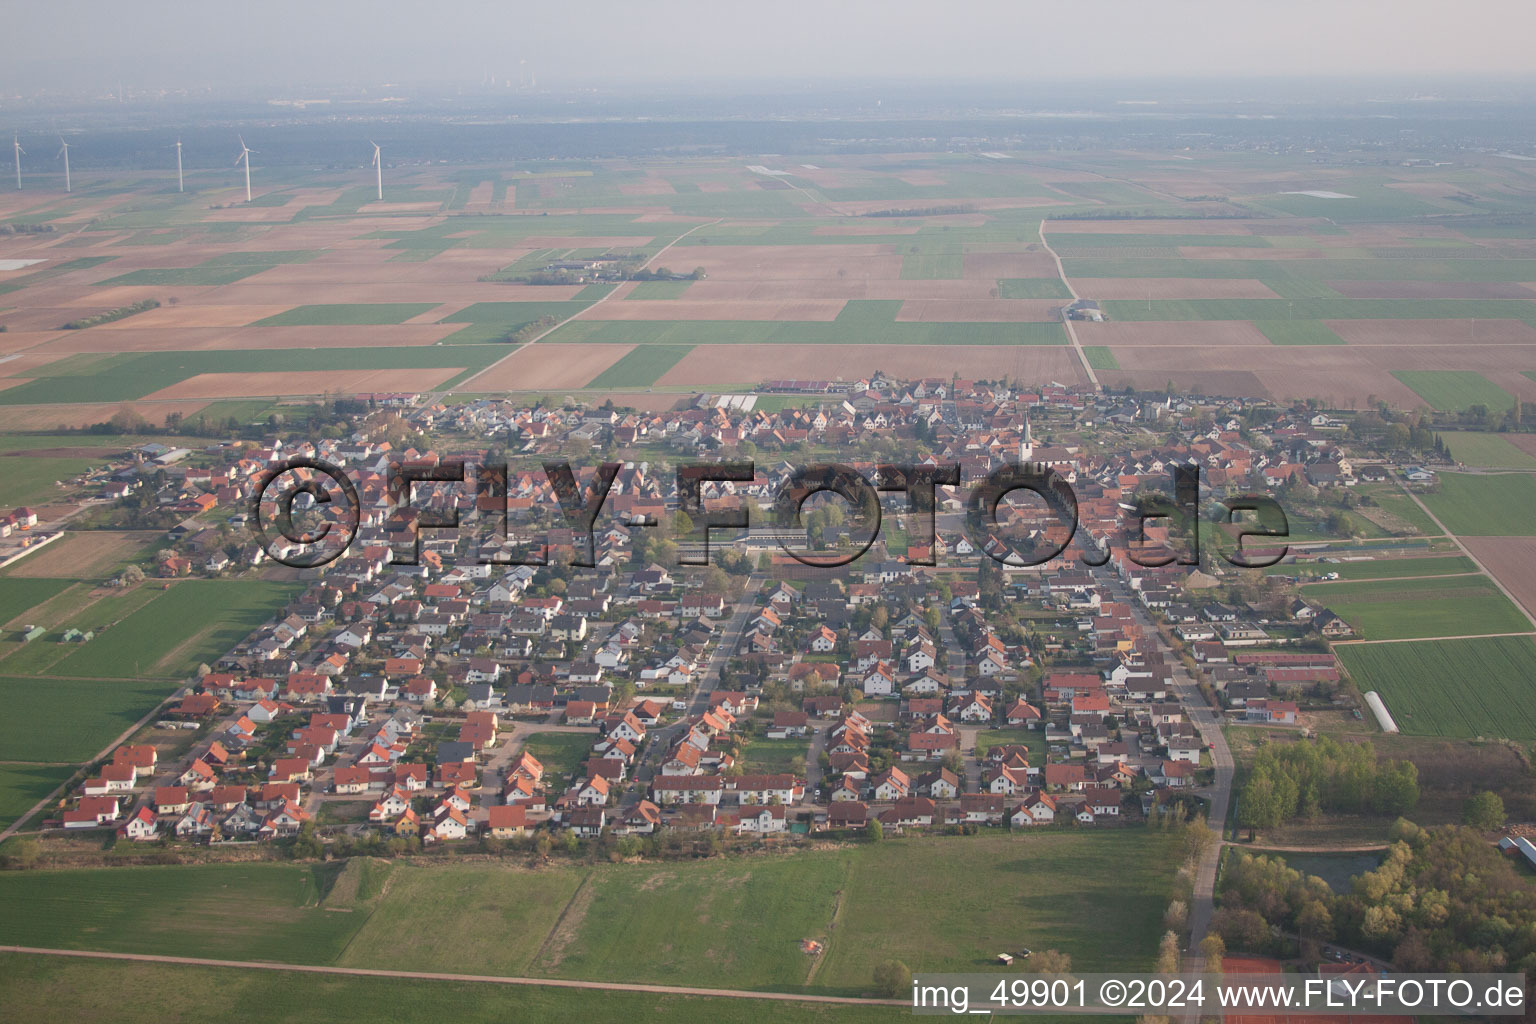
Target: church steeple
x: 1027, y: 446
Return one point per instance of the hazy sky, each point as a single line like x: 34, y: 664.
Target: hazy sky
x: 273, y: 43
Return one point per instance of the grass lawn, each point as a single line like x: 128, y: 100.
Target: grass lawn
x: 69, y: 719
x: 30, y: 480
x: 43, y: 988
x: 1487, y: 451
x: 1455, y: 390
x: 246, y: 911
x: 1032, y: 288
x: 22, y: 785
x: 775, y: 756
x: 560, y: 752
x: 658, y: 290
x: 195, y: 621
x: 343, y: 313
x: 1403, y: 609
x: 1485, y: 506
x: 1480, y: 687
x: 641, y: 366
x: 1298, y: 332
x: 1034, y: 739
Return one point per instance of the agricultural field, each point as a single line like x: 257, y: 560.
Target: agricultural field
x: 338, y: 314
x: 1455, y: 390
x: 69, y: 720
x: 1485, y: 505
x: 1488, y: 451
x: 43, y: 988
x: 1404, y: 609
x: 1380, y: 568
x: 1457, y: 688
x: 641, y: 367
x: 23, y: 785
x: 955, y: 899
x: 32, y: 480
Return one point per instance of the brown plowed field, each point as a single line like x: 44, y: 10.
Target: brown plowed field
x: 1512, y: 560
x: 1433, y: 289
x: 536, y: 367
x: 1453, y: 334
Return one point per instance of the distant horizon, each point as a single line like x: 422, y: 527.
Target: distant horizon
x: 86, y: 46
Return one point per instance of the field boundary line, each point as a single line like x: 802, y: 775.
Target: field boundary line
x: 464, y: 385
x: 485, y: 979
x: 1066, y: 321
x: 1468, y: 552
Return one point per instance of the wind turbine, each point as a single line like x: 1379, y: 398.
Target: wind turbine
x: 64, y: 152
x: 16, y: 144
x: 180, y: 184
x: 378, y: 166
x: 245, y: 155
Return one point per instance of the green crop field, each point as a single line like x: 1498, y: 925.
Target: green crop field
x: 1380, y: 568
x: 1032, y: 288
x: 337, y: 314
x: 1452, y: 687
x: 1101, y: 357
x: 53, y: 988
x: 776, y: 756
x: 1404, y: 609
x: 119, y: 377
x: 23, y: 785
x: 560, y: 752
x: 658, y: 289
x: 30, y: 479
x: 1455, y: 390
x: 854, y: 330
x: 1298, y: 332
x: 20, y: 595
x: 194, y: 621
x: 931, y: 266
x: 69, y: 719
x: 641, y: 366
x: 1487, y: 451
x: 1485, y: 506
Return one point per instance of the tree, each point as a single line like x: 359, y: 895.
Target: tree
x: 1051, y: 961
x: 1176, y: 916
x: 873, y: 832
x: 893, y: 979
x: 1168, y: 954
x: 21, y: 854
x: 1213, y: 949
x: 1484, y: 811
